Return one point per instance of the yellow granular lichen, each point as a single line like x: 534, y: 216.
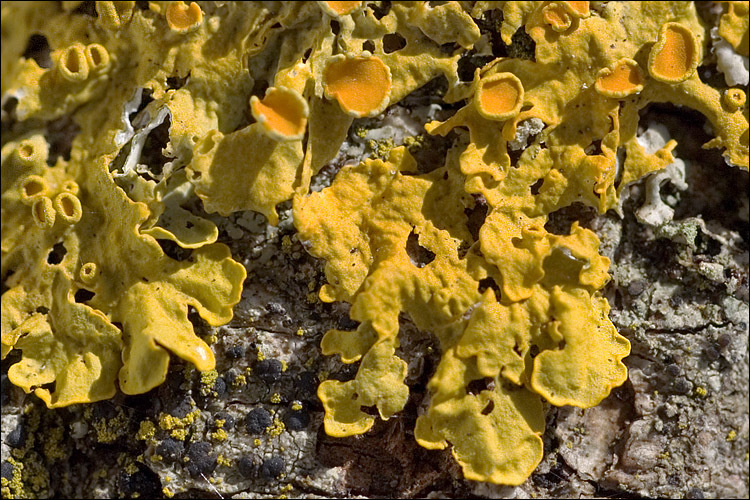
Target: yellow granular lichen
x: 277, y: 429
x: 180, y: 434
x: 208, y: 378
x: 109, y: 430
x: 54, y: 448
x: 239, y: 381
x: 219, y: 435
x: 178, y: 427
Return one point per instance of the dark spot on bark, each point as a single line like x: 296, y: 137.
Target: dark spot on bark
x: 170, y: 449
x: 272, y: 467
x: 268, y: 370
x: 296, y: 420
x: 143, y: 483
x: 202, y: 459
x: 257, y: 421
x: 17, y: 437
x: 246, y: 466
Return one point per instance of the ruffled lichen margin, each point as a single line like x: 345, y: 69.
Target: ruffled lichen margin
x: 518, y: 311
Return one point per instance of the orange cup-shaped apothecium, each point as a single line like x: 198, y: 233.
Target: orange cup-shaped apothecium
x: 623, y: 79
x: 282, y: 113
x: 675, y: 55
x: 499, y: 97
x: 361, y: 85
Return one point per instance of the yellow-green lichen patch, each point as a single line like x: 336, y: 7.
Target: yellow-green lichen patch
x: 75, y: 342
x: 482, y: 336
x: 114, y: 15
x: 108, y: 430
x: 548, y: 284
x: 252, y: 45
x: 146, y: 432
x: 733, y: 26
x: 93, y: 300
x: 219, y: 161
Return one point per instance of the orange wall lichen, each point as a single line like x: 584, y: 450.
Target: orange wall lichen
x: 493, y: 298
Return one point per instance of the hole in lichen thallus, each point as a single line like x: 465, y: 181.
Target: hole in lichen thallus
x: 177, y: 82
x: 199, y: 324
x: 476, y: 216
x: 469, y: 63
x: 515, y: 155
x: 86, y: 9
x: 153, y: 148
x: 38, y: 49
x: 418, y: 255
x: 595, y: 148
x: 620, y: 158
x: 488, y: 407
x: 335, y: 27
x: 57, y: 254
x: 368, y: 45
x: 522, y: 46
x: 60, y: 135
x: 393, y: 42
x: 174, y: 251
x: 379, y: 11
x: 146, y: 99
x: 562, y: 268
x: 82, y: 295
x: 560, y: 221
x: 49, y: 387
x: 486, y: 283
x: 536, y: 187
x: 483, y: 384
x: 489, y: 26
